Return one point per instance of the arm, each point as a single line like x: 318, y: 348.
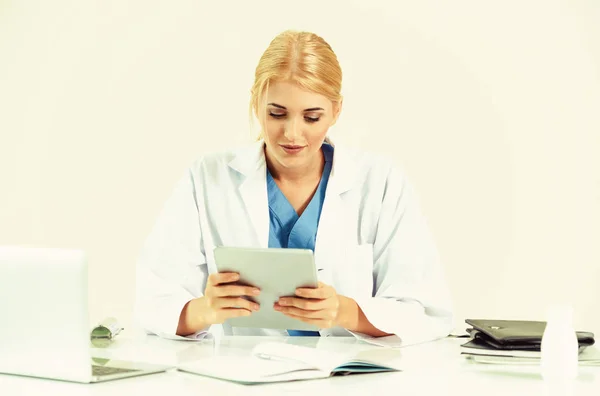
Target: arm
x: 323, y: 307
x: 411, y: 298
x: 171, y: 270
x: 190, y: 323
x: 352, y: 318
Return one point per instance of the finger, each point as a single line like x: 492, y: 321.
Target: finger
x: 321, y: 314
x: 236, y: 302
x: 222, y: 277
x: 304, y: 303
x: 227, y: 313
x: 235, y: 290
x: 322, y: 292
x: 320, y: 323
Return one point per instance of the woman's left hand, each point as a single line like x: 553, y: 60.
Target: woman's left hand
x: 320, y: 306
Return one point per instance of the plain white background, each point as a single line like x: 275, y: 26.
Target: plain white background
x: 492, y: 108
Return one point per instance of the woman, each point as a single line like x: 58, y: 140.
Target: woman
x: 379, y: 271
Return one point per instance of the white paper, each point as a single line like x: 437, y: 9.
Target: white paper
x: 250, y: 369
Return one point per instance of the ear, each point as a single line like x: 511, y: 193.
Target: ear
x: 337, y: 109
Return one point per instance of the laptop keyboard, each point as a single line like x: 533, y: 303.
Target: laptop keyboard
x: 100, y: 371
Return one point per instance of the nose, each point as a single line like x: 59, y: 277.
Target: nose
x: 291, y: 129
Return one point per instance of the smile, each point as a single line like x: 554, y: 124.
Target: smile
x: 291, y: 149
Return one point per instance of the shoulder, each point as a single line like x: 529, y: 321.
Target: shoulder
x: 216, y: 162
x: 369, y: 166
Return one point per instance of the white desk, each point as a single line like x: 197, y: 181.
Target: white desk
x: 434, y: 368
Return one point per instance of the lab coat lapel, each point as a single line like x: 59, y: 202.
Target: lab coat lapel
x: 253, y: 190
x: 330, y: 244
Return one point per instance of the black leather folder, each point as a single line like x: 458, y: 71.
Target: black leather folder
x: 515, y: 334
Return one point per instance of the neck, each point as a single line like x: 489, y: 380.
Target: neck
x: 303, y: 175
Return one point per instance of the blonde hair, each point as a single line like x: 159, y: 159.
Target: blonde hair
x: 300, y: 57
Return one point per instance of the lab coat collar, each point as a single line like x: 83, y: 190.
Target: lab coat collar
x: 251, y: 163
x: 343, y: 170
x: 249, y: 159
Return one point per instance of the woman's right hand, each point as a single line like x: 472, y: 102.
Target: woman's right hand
x: 222, y: 300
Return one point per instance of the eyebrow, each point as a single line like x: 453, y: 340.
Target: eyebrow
x: 283, y: 107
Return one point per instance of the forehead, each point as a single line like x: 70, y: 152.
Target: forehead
x: 295, y: 98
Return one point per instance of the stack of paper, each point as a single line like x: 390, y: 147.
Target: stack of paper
x: 480, y: 352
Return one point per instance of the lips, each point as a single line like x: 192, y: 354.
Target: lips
x: 292, y: 148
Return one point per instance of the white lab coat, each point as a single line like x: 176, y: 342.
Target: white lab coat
x: 372, y: 243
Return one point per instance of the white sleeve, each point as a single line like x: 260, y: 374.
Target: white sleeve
x: 411, y: 298
x: 171, y: 269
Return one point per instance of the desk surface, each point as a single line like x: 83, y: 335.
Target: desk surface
x: 432, y: 368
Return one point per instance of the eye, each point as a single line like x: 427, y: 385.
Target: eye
x: 312, y: 119
x: 276, y: 116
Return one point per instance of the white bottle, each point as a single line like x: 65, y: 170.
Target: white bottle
x: 560, y: 348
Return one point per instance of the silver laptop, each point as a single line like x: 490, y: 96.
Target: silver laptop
x: 44, y: 320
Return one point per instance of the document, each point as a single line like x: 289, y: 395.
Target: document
x: 278, y: 362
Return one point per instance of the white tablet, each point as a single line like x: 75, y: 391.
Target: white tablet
x: 277, y: 273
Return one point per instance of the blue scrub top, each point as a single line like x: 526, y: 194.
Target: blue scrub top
x: 287, y: 229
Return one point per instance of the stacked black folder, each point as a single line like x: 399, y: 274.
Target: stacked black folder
x: 510, y: 340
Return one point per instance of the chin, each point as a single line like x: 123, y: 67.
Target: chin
x: 291, y: 163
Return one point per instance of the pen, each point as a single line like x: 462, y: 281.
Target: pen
x: 275, y: 358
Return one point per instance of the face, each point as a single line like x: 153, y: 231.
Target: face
x: 295, y: 125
